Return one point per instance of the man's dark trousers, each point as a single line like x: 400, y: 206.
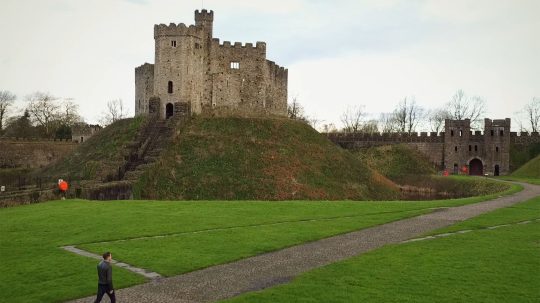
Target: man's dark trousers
x: 102, y: 290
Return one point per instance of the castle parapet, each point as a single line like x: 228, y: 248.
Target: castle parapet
x: 204, y: 15
x: 173, y: 30
x: 260, y: 46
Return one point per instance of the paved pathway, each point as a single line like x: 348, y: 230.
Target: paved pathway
x: 259, y: 272
x: 141, y: 271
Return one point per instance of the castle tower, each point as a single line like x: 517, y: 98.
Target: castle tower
x: 179, y: 67
x: 456, y: 141
x: 205, y: 19
x: 497, y: 146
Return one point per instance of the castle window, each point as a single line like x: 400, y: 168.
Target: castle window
x: 173, y: 43
x: 476, y: 148
x: 461, y: 133
x: 452, y: 133
x: 497, y: 149
x: 170, y: 87
x: 235, y: 65
x: 502, y: 133
x: 470, y: 147
x: 492, y: 133
x: 455, y: 149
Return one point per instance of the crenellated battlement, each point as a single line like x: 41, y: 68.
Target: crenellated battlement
x: 260, y: 46
x: 204, y: 15
x: 276, y: 70
x: 173, y: 30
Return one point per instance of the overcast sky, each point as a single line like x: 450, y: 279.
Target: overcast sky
x: 339, y: 53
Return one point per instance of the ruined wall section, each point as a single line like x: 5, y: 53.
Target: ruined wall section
x: 144, y: 87
x: 252, y: 87
x: 235, y: 88
x: 276, y: 78
x: 179, y: 60
x: 32, y: 154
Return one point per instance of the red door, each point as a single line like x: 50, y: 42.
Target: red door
x: 476, y: 168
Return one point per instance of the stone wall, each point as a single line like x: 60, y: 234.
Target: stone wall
x: 32, y: 154
x: 193, y: 67
x: 144, y: 87
x: 457, y: 146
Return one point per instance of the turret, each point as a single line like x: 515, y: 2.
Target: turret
x: 205, y: 19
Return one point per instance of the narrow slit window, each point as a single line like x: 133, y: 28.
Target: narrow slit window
x: 461, y: 133
x: 451, y: 133
x: 455, y: 149
x: 492, y: 133
x: 235, y: 65
x: 476, y: 148
x: 170, y: 87
x: 173, y: 43
x: 470, y: 147
x: 497, y: 149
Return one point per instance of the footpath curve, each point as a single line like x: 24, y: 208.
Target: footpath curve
x: 267, y: 270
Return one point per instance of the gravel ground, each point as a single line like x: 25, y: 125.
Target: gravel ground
x: 259, y: 272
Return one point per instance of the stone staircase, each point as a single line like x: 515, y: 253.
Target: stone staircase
x: 151, y: 141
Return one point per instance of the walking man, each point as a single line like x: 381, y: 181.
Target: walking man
x: 105, y: 285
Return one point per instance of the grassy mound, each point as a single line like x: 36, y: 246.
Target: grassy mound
x: 258, y: 159
x: 100, y: 155
x: 530, y: 170
x: 397, y: 161
x: 520, y: 155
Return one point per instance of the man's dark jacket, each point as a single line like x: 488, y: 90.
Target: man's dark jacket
x: 104, y: 270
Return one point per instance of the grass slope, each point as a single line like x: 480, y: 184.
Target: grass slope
x: 520, y: 155
x: 531, y: 169
x: 100, y: 155
x: 258, y: 159
x: 30, y: 237
x: 481, y: 266
x: 396, y: 161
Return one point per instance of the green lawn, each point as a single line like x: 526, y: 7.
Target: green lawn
x: 521, y: 179
x: 35, y: 269
x: 500, y: 265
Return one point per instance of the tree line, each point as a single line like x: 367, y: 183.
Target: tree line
x: 409, y: 117
x: 44, y: 115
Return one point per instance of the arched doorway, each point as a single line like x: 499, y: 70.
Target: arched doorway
x: 476, y: 168
x: 497, y: 170
x: 169, y: 110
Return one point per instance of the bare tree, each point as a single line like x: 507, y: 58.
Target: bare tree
x: 295, y: 110
x: 388, y: 123
x: 115, y: 111
x: 329, y: 128
x: 370, y: 127
x: 44, y: 110
x: 69, y: 114
x: 532, y: 112
x: 436, y: 119
x: 463, y: 107
x: 6, y: 100
x: 352, y: 119
x: 407, y: 115
x: 314, y: 122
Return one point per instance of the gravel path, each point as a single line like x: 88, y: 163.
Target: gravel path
x: 259, y: 272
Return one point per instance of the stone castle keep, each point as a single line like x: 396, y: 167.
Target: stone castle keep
x: 455, y: 148
x: 194, y: 72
